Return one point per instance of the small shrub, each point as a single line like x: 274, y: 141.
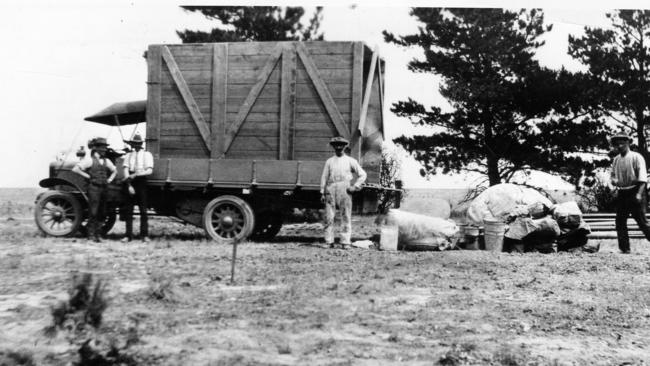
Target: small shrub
x: 87, y: 301
x: 597, y: 195
x: 161, y: 288
x: 81, y: 316
x: 16, y: 358
x: 97, y: 353
x: 459, y: 354
x: 508, y: 357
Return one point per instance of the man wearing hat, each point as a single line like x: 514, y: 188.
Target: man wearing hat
x: 100, y: 172
x: 629, y: 176
x: 336, y: 189
x: 138, y: 164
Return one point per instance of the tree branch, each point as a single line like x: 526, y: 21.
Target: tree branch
x: 622, y: 123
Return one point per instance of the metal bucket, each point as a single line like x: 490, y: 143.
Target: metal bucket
x: 494, y: 234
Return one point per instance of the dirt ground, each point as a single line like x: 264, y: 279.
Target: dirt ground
x: 298, y: 303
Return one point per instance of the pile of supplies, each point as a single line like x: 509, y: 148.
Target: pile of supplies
x: 533, y: 222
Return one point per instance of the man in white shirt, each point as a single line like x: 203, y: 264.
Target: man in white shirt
x: 336, y: 189
x: 138, y: 164
x: 100, y: 172
x: 630, y: 177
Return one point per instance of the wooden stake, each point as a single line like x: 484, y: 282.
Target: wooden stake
x: 232, y: 264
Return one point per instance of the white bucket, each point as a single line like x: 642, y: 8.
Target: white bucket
x: 388, y: 237
x: 494, y: 233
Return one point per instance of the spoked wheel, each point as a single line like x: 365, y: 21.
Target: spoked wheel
x: 58, y: 213
x: 267, y: 225
x: 227, y: 219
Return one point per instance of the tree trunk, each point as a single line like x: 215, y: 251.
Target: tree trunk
x: 492, y: 159
x: 493, y: 170
x: 640, y: 133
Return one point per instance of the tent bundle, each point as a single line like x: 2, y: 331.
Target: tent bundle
x: 417, y: 232
x: 534, y: 223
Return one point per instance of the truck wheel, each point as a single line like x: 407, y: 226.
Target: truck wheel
x: 227, y: 219
x: 58, y: 213
x: 267, y: 225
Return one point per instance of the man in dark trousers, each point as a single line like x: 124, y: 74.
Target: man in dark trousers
x: 100, y: 172
x: 630, y: 177
x: 138, y: 164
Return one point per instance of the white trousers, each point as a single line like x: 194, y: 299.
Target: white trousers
x: 336, y: 196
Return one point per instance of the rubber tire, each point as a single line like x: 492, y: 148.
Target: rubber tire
x: 242, y: 206
x: 49, y: 196
x: 268, y: 227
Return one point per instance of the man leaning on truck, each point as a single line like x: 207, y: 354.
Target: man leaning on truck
x: 336, y: 190
x: 100, y: 172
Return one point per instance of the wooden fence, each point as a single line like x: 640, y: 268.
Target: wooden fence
x: 603, y: 225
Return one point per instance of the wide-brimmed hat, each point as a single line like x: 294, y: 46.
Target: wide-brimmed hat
x: 338, y: 141
x: 137, y: 140
x: 98, y: 141
x: 620, y: 136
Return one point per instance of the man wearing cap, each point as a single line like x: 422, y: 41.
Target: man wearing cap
x: 138, y: 164
x: 100, y: 172
x: 336, y: 190
x: 630, y: 177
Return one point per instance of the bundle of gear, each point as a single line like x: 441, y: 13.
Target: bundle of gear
x: 534, y: 222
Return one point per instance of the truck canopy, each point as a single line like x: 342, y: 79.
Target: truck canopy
x: 121, y: 114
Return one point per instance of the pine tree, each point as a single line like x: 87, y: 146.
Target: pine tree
x: 255, y: 23
x: 509, y: 113
x: 618, y: 59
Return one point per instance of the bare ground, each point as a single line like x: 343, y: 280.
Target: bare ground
x: 294, y: 302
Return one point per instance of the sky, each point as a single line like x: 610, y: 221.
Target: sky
x: 66, y: 60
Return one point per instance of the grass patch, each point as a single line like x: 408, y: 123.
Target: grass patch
x: 162, y: 288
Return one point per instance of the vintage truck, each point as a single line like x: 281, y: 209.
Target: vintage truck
x: 239, y: 133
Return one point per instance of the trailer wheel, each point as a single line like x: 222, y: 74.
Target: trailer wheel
x: 267, y: 225
x: 227, y: 219
x: 58, y: 213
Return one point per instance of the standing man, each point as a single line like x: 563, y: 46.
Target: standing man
x: 100, y: 172
x: 138, y: 164
x: 336, y: 190
x: 629, y: 175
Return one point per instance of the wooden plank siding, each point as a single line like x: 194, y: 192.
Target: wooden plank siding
x: 186, y: 94
x: 154, y: 99
x: 287, y: 104
x: 270, y: 64
x: 218, y: 113
x: 269, y: 101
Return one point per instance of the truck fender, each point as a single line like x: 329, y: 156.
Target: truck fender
x: 52, y: 182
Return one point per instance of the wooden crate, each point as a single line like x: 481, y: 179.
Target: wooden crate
x: 262, y: 101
